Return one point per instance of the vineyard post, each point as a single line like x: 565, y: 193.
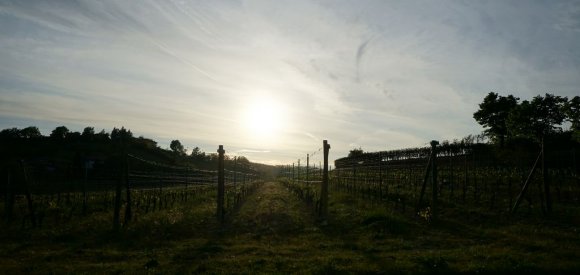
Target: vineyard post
x: 235, y: 171
x: 85, y: 179
x: 526, y: 184
x: 546, y: 180
x: 307, y: 166
x: 9, y: 202
x: 28, y: 195
x: 298, y: 169
x: 117, y: 210
x: 221, y: 186
x: 380, y: 176
x: 324, y: 191
x: 434, y: 179
x: 425, y: 178
x: 293, y: 172
x: 128, y: 212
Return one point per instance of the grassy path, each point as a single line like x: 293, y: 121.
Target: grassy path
x: 273, y: 232
x: 272, y: 212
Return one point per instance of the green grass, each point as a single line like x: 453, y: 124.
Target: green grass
x: 275, y: 232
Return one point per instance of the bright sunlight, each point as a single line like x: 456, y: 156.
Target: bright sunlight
x: 263, y: 117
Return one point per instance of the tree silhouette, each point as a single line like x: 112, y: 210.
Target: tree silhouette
x: 493, y: 113
x: 10, y: 133
x: 59, y: 133
x: 355, y: 152
x: 121, y: 135
x: 537, y: 118
x: 176, y: 147
x: 88, y: 133
x: 30, y: 132
x: 572, y: 112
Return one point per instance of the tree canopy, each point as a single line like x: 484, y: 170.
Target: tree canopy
x: 503, y: 117
x: 177, y: 147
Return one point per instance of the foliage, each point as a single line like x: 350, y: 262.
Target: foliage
x: 355, y: 152
x: 537, y: 118
x: 59, y: 133
x: 121, y: 135
x: 30, y: 132
x: 493, y: 113
x: 177, y: 147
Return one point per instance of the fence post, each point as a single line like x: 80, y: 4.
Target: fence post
x: 117, y: 210
x: 434, y: 185
x: 546, y: 180
x: 221, y: 187
x: 9, y: 199
x: 324, y: 191
x: 128, y: 212
x: 292, y: 172
x: 28, y: 195
x: 526, y: 184
x: 307, y: 166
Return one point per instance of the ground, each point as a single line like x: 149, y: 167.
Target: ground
x: 274, y: 232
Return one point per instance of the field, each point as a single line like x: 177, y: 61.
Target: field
x: 273, y: 231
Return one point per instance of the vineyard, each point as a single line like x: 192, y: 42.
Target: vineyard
x: 439, y: 209
x: 47, y: 192
x: 423, y: 180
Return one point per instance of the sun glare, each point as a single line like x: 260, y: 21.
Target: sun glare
x: 263, y: 118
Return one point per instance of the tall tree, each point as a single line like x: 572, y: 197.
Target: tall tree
x: 176, y: 147
x: 355, y: 152
x: 493, y: 113
x: 121, y: 135
x: 572, y: 112
x: 30, y: 132
x: 59, y: 132
x: 10, y: 133
x: 88, y: 133
x: 539, y: 117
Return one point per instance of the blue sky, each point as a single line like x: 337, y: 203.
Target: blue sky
x: 271, y: 79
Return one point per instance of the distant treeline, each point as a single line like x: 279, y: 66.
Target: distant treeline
x: 65, y: 144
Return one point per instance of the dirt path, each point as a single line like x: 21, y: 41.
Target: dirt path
x: 272, y: 210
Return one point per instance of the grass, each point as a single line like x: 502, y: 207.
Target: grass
x: 274, y: 232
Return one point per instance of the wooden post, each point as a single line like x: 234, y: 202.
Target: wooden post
x: 526, y: 184
x: 292, y: 172
x: 380, y: 176
x: 28, y: 195
x: 434, y: 179
x: 117, y: 209
x: 9, y: 197
x: 128, y: 212
x: 546, y: 180
x: 85, y: 179
x: 221, y: 185
x: 425, y: 178
x: 324, y: 191
x: 307, y: 166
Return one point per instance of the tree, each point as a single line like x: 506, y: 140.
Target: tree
x: 197, y: 154
x: 30, y: 132
x: 176, y: 147
x: 355, y: 152
x: 493, y: 113
x: 572, y: 112
x: 537, y: 118
x: 59, y: 133
x: 121, y: 135
x: 102, y: 135
x: 88, y: 133
x: 10, y: 133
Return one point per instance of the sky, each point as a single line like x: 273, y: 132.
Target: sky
x: 271, y: 79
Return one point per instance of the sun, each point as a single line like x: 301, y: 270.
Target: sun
x: 263, y: 117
